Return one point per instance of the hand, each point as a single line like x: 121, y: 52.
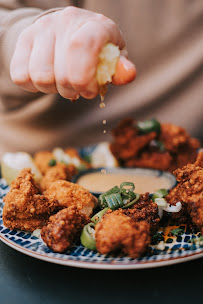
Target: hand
x: 59, y: 53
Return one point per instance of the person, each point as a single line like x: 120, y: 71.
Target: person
x: 49, y: 54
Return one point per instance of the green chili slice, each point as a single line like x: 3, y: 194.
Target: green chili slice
x: 97, y: 217
x: 159, y: 194
x: 148, y: 126
x: 87, y: 237
x: 52, y: 162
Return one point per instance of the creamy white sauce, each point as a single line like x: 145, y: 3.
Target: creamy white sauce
x: 101, y: 182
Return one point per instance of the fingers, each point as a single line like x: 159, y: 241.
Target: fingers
x: 19, y: 67
x: 41, y: 64
x: 80, y: 55
x: 125, y: 72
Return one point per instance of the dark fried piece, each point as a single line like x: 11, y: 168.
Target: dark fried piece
x: 127, y: 144
x: 116, y: 232
x: 189, y: 192
x: 144, y: 210
x: 199, y: 159
x: 42, y: 159
x: 24, y: 207
x: 64, y: 228
x: 133, y: 149
x: 155, y: 160
x: 58, y: 172
x: 67, y: 194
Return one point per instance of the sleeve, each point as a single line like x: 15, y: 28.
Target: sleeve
x: 13, y: 20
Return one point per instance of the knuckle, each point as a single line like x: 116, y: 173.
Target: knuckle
x: 70, y: 11
x: 42, y: 79
x: 63, y: 81
x: 44, y: 21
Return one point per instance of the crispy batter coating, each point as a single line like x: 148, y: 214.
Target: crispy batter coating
x: 69, y: 194
x: 189, y: 192
x: 199, y: 159
x: 137, y: 150
x: 64, y: 228
x: 24, y: 207
x: 144, y: 210
x: 58, y: 172
x: 116, y: 232
x: 155, y: 160
x: 42, y: 159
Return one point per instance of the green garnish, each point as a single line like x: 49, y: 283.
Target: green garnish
x: 119, y: 197
x: 148, y: 126
x: 97, y: 217
x: 52, y: 162
x: 197, y: 241
x: 177, y: 231
x: 87, y: 237
x: 159, y: 194
x: 156, y: 238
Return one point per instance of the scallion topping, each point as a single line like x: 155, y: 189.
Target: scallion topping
x: 119, y: 197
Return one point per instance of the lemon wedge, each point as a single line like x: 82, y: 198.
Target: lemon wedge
x: 13, y: 163
x: 108, y: 59
x: 102, y: 157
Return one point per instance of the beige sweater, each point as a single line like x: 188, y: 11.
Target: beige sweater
x: 165, y: 41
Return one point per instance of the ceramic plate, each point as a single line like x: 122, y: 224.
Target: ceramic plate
x: 176, y: 249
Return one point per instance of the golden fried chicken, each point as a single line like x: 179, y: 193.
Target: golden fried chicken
x: 155, y: 160
x: 189, y: 192
x: 167, y: 149
x: 42, y: 159
x: 64, y: 228
x: 144, y: 210
x: 24, y: 207
x: 70, y: 194
x: 58, y: 172
x: 199, y: 159
x: 116, y: 232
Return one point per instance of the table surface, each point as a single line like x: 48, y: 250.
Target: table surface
x: 24, y: 279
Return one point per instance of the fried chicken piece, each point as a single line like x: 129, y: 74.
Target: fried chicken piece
x: 24, y: 207
x: 168, y: 150
x: 116, y: 232
x: 58, y: 172
x: 127, y: 142
x: 199, y: 159
x: 64, y: 228
x: 42, y: 159
x: 189, y: 192
x: 155, y: 160
x: 68, y: 194
x: 144, y: 210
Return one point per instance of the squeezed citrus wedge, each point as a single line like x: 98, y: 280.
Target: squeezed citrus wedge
x: 13, y: 163
x: 102, y: 157
x: 113, y: 68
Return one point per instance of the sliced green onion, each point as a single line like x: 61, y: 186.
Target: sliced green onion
x: 148, y: 126
x: 132, y: 202
x: 159, y: 194
x: 52, y: 162
x: 128, y: 184
x: 119, y: 197
x: 161, y: 202
x: 97, y: 217
x: 114, y: 201
x: 87, y: 237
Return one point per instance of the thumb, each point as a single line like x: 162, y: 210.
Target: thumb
x: 125, y: 71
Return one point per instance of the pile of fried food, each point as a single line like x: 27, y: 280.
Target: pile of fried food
x: 150, y: 144
x: 63, y: 210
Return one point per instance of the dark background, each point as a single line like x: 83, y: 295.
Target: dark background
x: 24, y: 279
